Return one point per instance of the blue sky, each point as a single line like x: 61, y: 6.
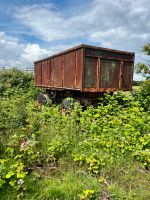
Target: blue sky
x: 32, y: 29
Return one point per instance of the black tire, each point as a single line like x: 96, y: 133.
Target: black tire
x: 43, y: 98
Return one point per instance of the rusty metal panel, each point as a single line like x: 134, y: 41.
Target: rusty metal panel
x: 56, y: 71
x: 120, y: 74
x: 38, y: 73
x: 90, y: 72
x: 127, y: 75
x: 44, y: 73
x: 108, y: 54
x: 52, y: 76
x: 69, y: 69
x: 79, y: 68
x: 109, y: 73
x: 49, y: 72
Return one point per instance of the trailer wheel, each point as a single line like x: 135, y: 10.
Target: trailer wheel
x: 69, y: 103
x: 66, y: 104
x: 43, y: 99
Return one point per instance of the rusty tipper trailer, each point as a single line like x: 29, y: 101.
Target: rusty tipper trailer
x: 85, y: 72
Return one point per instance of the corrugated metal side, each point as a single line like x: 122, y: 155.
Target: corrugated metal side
x: 38, y: 73
x: 109, y: 73
x: 90, y: 72
x: 56, y: 72
x: 69, y: 69
x: 127, y: 71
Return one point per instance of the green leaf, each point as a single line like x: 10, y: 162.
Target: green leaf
x: 9, y: 174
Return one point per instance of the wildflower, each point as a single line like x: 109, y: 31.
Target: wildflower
x: 24, y: 144
x: 20, y: 182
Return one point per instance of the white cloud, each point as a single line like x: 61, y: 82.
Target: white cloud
x: 16, y: 53
x: 119, y: 37
x: 46, y: 23
x: 117, y: 19
x: 33, y: 52
x: 120, y: 32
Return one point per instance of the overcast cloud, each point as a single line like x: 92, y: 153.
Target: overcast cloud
x: 119, y: 24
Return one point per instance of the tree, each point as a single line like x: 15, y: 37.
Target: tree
x: 142, y: 68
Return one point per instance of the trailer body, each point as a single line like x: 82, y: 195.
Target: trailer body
x: 87, y: 70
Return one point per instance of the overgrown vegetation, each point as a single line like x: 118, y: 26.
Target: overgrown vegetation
x: 102, y: 152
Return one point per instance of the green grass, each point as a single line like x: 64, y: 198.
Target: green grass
x: 69, y: 186
x: 125, y: 180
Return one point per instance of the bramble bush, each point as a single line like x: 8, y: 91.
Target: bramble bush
x: 35, y: 139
